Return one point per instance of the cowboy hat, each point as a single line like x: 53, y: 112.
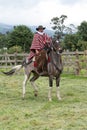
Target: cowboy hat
x: 40, y: 27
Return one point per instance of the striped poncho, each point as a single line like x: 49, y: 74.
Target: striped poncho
x: 38, y: 43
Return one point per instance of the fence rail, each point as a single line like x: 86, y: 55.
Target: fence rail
x: 8, y: 60
x: 74, y: 62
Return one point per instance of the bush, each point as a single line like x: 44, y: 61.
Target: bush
x: 14, y: 49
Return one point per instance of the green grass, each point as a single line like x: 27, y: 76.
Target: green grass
x: 37, y: 113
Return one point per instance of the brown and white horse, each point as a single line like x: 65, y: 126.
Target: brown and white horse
x: 54, y: 69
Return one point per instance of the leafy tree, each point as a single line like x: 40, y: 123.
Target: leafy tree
x: 71, y: 29
x: 68, y: 34
x: 58, y: 25
x: 14, y: 49
x: 2, y: 41
x: 82, y: 45
x: 20, y: 36
x: 82, y: 31
x: 82, y: 35
x: 70, y: 42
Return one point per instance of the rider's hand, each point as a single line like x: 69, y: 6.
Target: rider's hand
x: 37, y: 51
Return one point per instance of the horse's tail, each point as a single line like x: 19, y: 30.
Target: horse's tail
x: 13, y: 70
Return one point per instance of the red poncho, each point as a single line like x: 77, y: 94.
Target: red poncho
x: 38, y: 43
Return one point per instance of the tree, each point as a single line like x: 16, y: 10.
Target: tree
x: 70, y: 42
x: 71, y: 29
x: 82, y: 45
x: 15, y: 49
x: 82, y: 31
x: 2, y: 41
x: 20, y: 36
x: 58, y: 25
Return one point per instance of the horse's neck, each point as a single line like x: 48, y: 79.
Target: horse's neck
x: 56, y: 60
x: 55, y: 57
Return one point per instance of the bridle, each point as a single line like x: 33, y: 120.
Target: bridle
x: 55, y: 49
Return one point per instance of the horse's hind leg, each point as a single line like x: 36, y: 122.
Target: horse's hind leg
x: 36, y: 76
x: 50, y: 88
x: 57, y: 87
x: 27, y: 75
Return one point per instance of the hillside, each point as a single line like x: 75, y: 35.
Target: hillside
x: 7, y: 28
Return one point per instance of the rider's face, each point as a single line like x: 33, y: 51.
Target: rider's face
x: 40, y: 30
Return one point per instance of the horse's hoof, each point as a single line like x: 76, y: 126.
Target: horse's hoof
x: 35, y: 94
x: 50, y: 100
x: 22, y: 98
x: 60, y: 99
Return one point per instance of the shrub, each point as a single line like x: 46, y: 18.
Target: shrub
x: 14, y: 49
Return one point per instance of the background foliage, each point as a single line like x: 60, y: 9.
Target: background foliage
x: 20, y: 36
x: 71, y: 37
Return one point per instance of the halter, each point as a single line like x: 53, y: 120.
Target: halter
x: 54, y: 48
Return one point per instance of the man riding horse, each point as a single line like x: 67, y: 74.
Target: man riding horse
x: 42, y: 58
x: 37, y: 53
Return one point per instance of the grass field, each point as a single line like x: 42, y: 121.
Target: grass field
x: 37, y: 113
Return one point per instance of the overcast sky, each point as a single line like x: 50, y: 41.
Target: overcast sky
x: 40, y: 12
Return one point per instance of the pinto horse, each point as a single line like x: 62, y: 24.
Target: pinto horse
x: 54, y: 69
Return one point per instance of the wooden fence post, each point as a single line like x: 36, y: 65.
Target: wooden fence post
x: 85, y: 53
x: 15, y: 57
x: 78, y: 68
x: 6, y: 58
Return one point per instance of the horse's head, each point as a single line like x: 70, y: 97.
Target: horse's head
x: 56, y: 46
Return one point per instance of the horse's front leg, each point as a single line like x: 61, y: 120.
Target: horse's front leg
x: 57, y: 87
x: 50, y: 88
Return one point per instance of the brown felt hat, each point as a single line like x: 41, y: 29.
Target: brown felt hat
x: 40, y: 27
